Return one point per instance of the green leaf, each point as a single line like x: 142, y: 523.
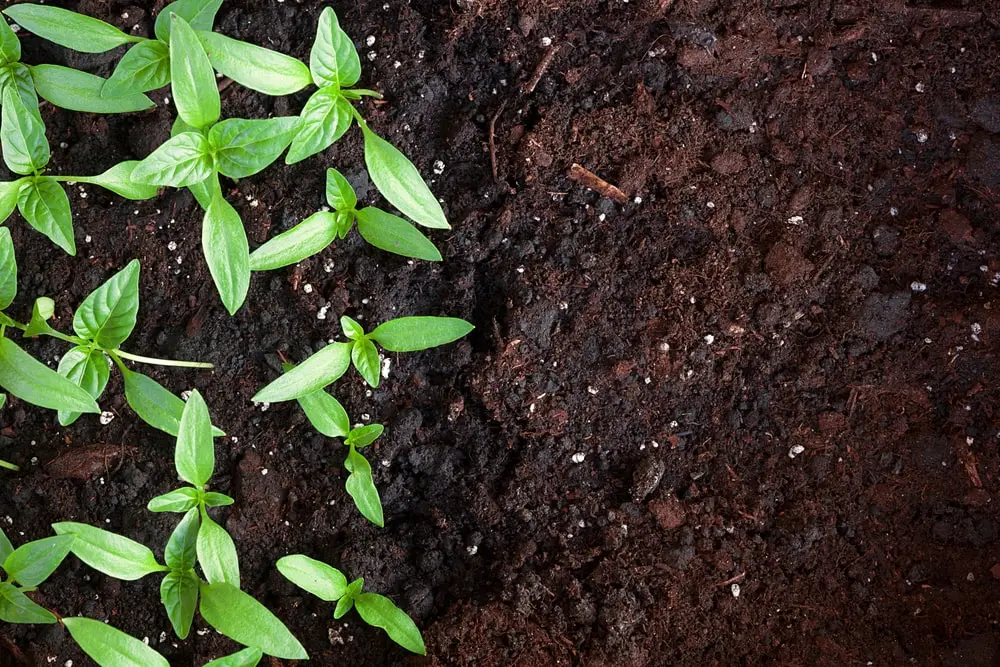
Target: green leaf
x: 107, y: 315
x: 32, y: 563
x: 80, y: 91
x: 366, y: 360
x: 145, y: 67
x: 182, y: 160
x: 206, y: 191
x: 74, y: 31
x: 8, y: 269
x: 345, y: 220
x: 314, y: 373
x: 241, y: 618
x: 351, y: 328
x: 17, y: 76
x: 16, y: 607
x: 45, y: 207
x: 400, y: 182
x: 25, y: 149
x: 36, y: 383
x: 114, y: 555
x: 361, y: 487
x: 179, y: 595
x: 120, y: 180
x: 245, y: 147
x: 227, y: 252
x: 200, y: 15
x: 212, y: 499
x: 217, y: 553
x: 255, y: 67
x: 313, y: 576
x: 393, y: 234
x: 339, y: 193
x: 87, y: 369
x: 324, y: 119
x: 333, y: 59
x: 410, y: 334
x: 325, y: 413
x: 155, y: 405
x: 379, y: 611
x: 365, y: 435
x: 179, y: 500
x: 345, y: 603
x: 10, y: 45
x: 192, y: 79
x: 6, y: 548
x: 248, y: 657
x: 303, y: 240
x: 194, y: 455
x: 8, y: 196
x: 181, y: 551
x: 110, y: 647
x: 41, y: 312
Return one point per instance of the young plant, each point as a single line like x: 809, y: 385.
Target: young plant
x: 197, y: 540
x: 382, y: 230
x: 150, y: 64
x: 24, y: 569
x: 330, y: 585
x: 404, y: 334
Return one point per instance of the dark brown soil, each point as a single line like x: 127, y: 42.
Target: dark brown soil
x: 791, y: 167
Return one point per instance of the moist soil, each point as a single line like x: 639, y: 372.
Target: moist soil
x: 747, y: 414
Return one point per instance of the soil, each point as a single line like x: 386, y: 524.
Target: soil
x: 747, y: 417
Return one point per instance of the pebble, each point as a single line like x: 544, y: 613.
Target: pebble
x: 106, y: 418
x: 579, y: 457
x: 735, y: 588
x: 795, y: 451
x: 918, y: 286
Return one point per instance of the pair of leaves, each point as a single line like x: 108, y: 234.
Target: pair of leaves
x: 329, y: 584
x: 28, y: 566
x: 34, y: 382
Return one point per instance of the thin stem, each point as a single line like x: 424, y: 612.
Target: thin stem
x: 8, y: 466
x: 162, y: 362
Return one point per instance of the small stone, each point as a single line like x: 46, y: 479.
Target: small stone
x: 795, y: 451
x: 735, y: 588
x: 579, y: 457
x: 106, y: 418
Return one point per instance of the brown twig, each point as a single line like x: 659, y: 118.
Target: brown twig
x: 591, y: 180
x: 733, y: 580
x: 493, y: 141
x: 543, y: 65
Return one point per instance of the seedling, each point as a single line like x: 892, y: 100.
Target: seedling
x: 330, y: 585
x: 25, y: 568
x: 197, y: 540
x: 404, y: 334
x: 382, y: 230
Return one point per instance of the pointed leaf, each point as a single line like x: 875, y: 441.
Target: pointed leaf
x: 17, y: 77
x: 325, y: 413
x: 6, y: 548
x: 41, y: 312
x: 45, y: 207
x: 248, y: 657
x: 361, y: 487
x: 339, y: 193
x: 120, y: 180
x: 245, y: 147
x: 86, y: 368
x: 400, y: 182
x: 393, y: 234
x: 36, y: 383
x: 182, y: 160
x: 155, y: 405
x: 114, y: 555
x: 25, y: 148
x: 313, y: 576
x: 107, y: 315
x: 181, y: 551
x: 32, y: 563
x: 213, y: 499
x: 145, y: 67
x: 79, y: 91
x: 363, y: 436
x: 194, y: 455
x: 227, y: 252
x: 10, y: 45
x: 345, y: 603
x: 303, y: 240
x: 179, y: 500
x: 192, y: 79
x: 323, y: 120
x: 366, y: 360
x: 74, y: 31
x: 255, y: 67
x: 110, y: 647
x: 179, y: 595
x: 241, y: 618
x: 200, y: 15
x: 313, y: 374
x: 206, y: 191
x: 16, y: 607
x: 333, y: 59
x: 379, y: 611
x: 410, y: 334
x: 8, y: 196
x: 217, y: 553
x: 351, y: 328
x: 8, y: 269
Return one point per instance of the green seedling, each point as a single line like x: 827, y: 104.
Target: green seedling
x: 24, y: 569
x: 151, y: 63
x: 196, y: 541
x: 330, y: 585
x: 404, y: 334
x: 382, y: 230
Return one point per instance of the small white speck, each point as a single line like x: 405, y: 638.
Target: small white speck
x: 592, y: 390
x: 546, y: 41
x: 370, y: 40
x: 386, y: 363
x: 795, y: 220
x: 307, y: 288
x: 472, y: 550
x: 874, y: 57
x: 106, y: 418
x: 172, y: 246
x: 365, y: 417
x: 438, y: 167
x: 920, y: 87
x: 922, y: 136
x: 372, y: 55
x: 186, y: 394
x: 520, y: 269
x: 578, y: 457
x: 710, y: 204
x: 263, y: 471
x: 735, y: 588
x: 970, y: 577
x: 917, y: 286
x: 68, y: 663
x: 894, y: 211
x: 321, y: 314
x: 709, y: 339
x: 396, y: 64
x: 86, y: 238
x: 637, y: 200
x: 795, y: 451
x: 63, y: 144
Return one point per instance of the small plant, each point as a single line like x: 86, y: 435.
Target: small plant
x: 382, y: 230
x: 404, y: 334
x: 330, y: 585
x: 26, y: 568
x: 197, y: 540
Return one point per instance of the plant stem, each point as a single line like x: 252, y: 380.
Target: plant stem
x: 162, y: 362
x: 8, y: 466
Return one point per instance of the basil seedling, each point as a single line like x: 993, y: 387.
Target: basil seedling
x: 197, y: 540
x: 24, y: 569
x: 330, y: 585
x: 382, y: 230
x: 405, y: 334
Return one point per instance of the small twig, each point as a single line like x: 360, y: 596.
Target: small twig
x: 734, y: 580
x: 591, y: 180
x: 493, y: 141
x: 543, y: 65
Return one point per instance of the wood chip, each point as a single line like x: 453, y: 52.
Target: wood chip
x: 85, y: 462
x: 589, y: 179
